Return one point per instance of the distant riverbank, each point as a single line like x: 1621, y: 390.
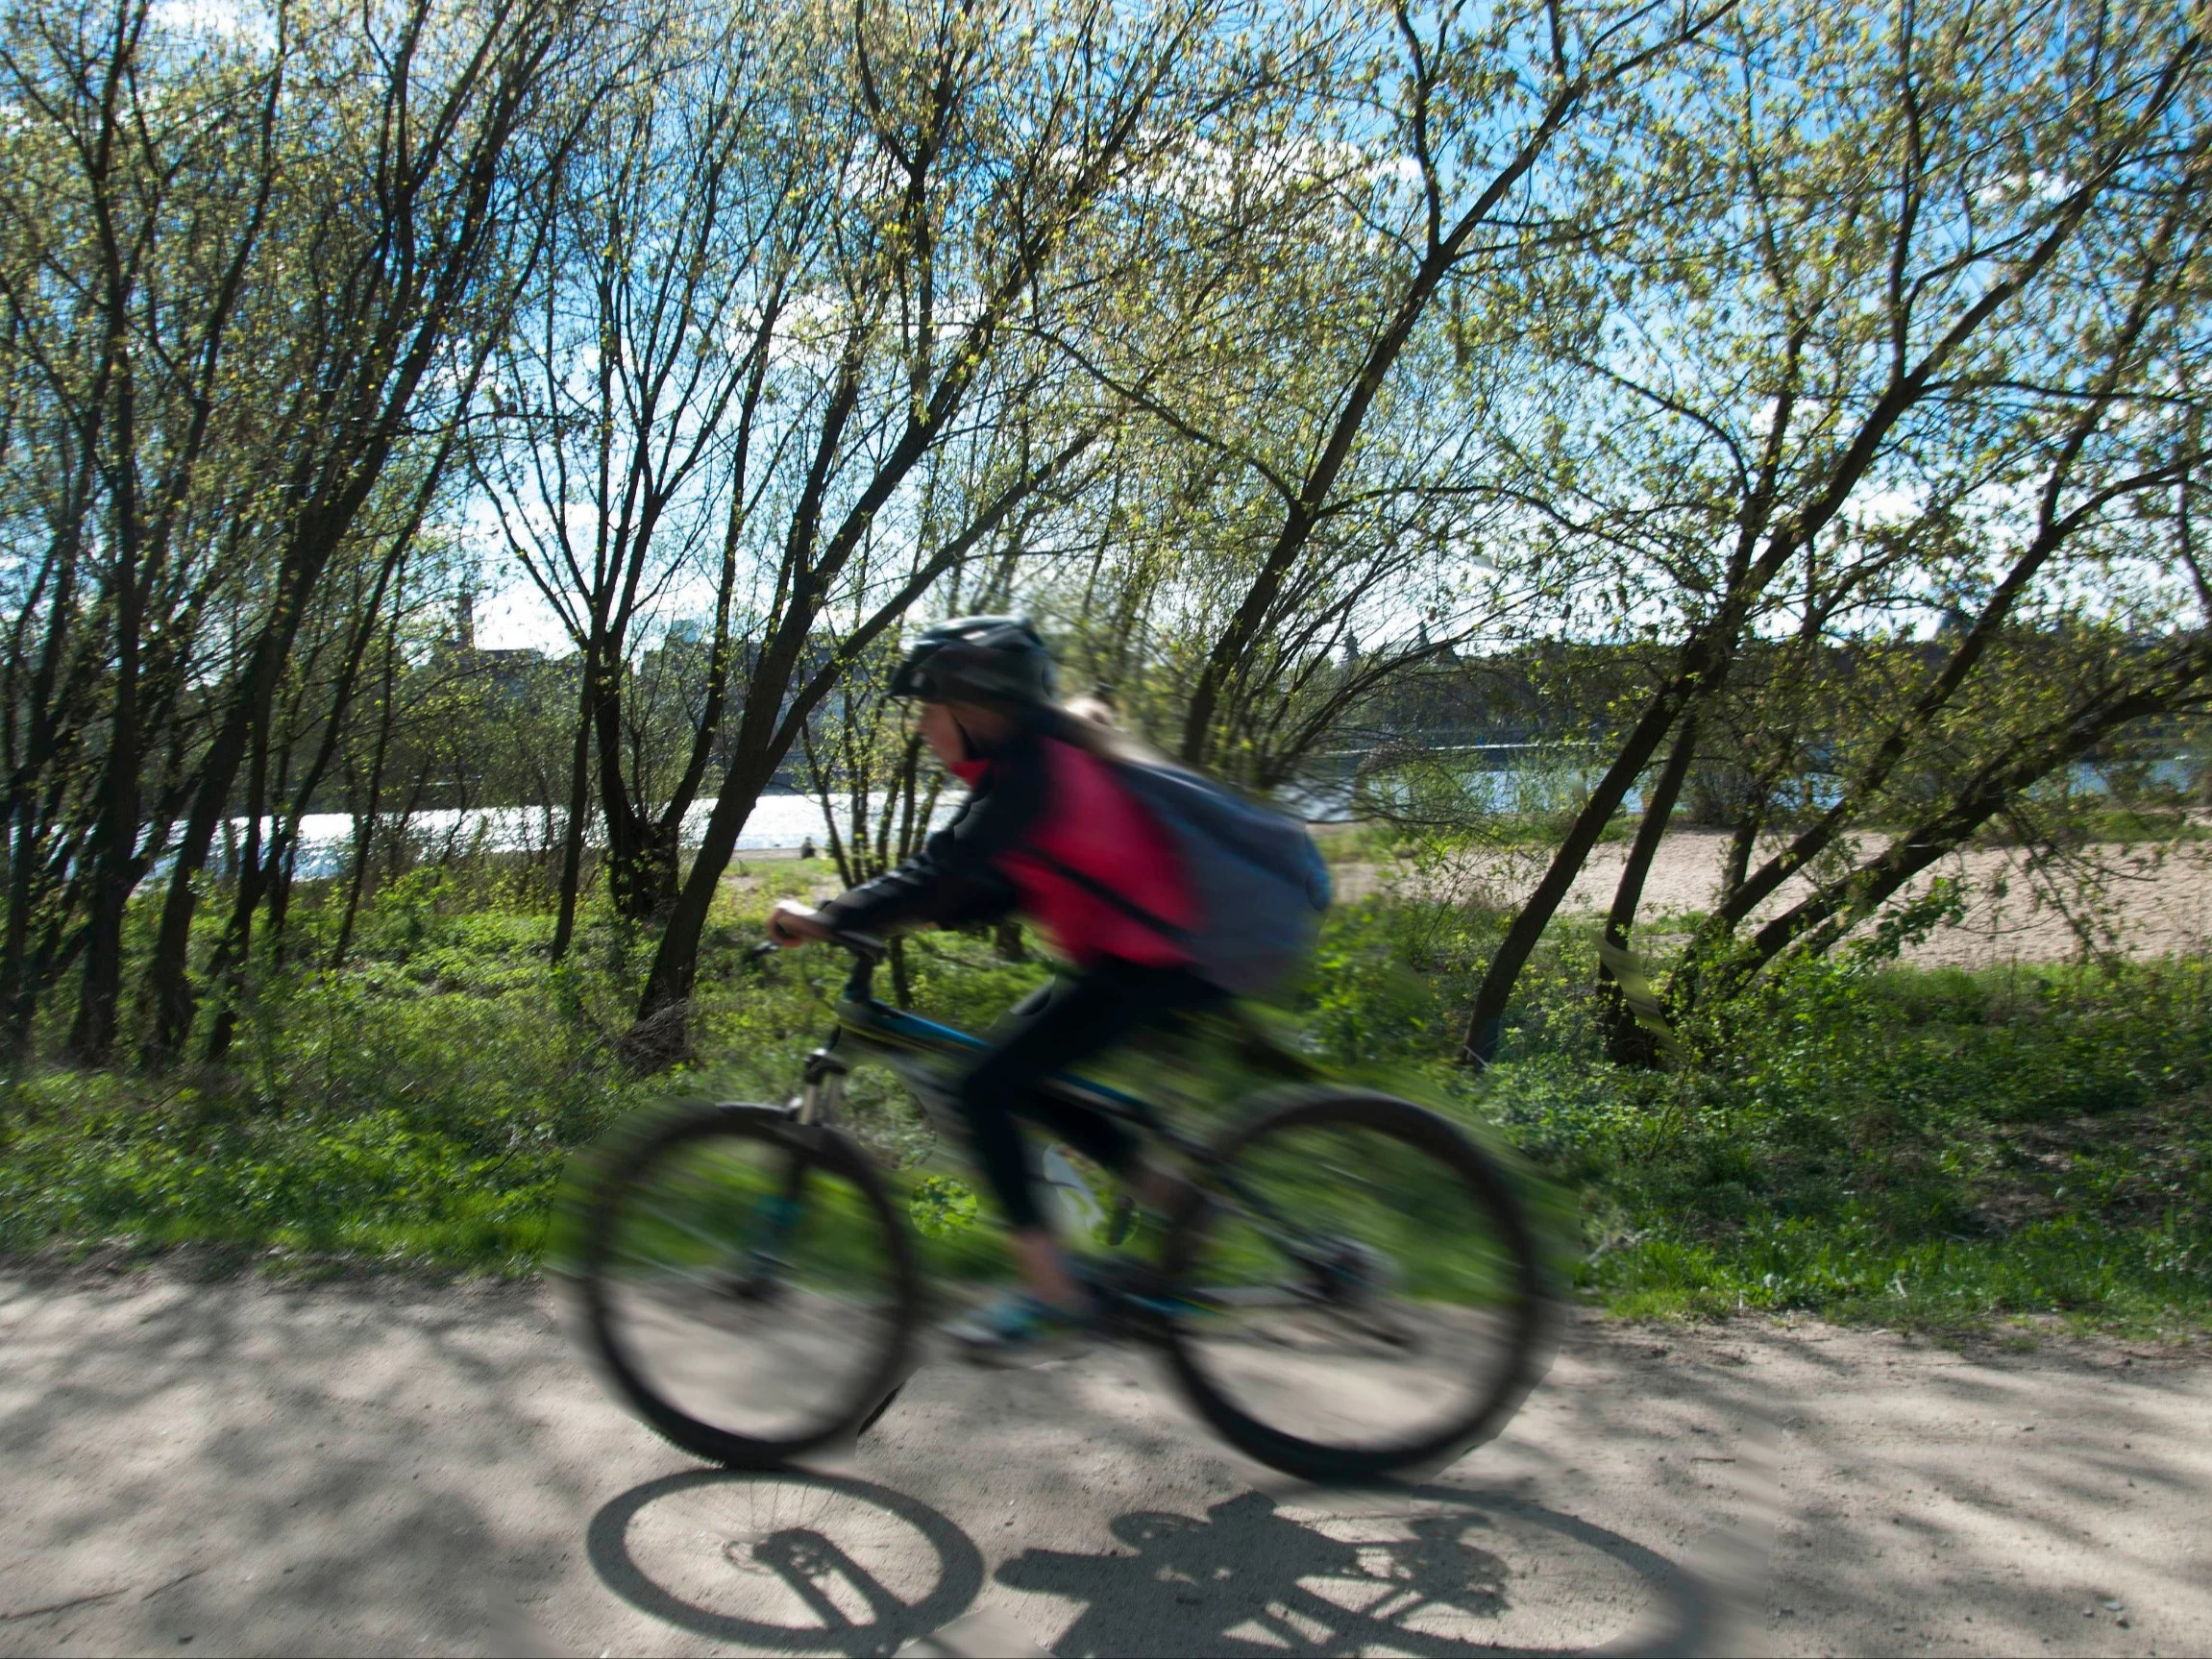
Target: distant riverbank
x: 2153, y: 899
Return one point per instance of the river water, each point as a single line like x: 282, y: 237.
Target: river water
x: 783, y: 819
x: 327, y: 839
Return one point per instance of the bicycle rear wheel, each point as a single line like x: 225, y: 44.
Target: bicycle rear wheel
x: 747, y: 1287
x: 1356, y: 1289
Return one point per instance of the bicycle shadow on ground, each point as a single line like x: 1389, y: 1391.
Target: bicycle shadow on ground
x: 1431, y: 1571
x: 793, y: 1561
x: 812, y: 1563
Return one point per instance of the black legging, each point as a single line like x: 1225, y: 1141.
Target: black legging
x: 1069, y: 1021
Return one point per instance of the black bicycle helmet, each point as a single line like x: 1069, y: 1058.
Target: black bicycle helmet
x: 979, y: 660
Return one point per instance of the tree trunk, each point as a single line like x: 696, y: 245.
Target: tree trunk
x: 175, y: 1001
x: 1821, y: 918
x: 34, y: 812
x: 18, y: 989
x: 365, y: 825
x: 116, y: 835
x: 659, y: 1037
x: 573, y: 830
x: 225, y: 969
x: 637, y: 885
x: 1485, y: 1021
x: 1628, y: 1039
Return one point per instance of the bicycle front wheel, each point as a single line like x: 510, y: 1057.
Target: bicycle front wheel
x: 1355, y: 1290
x: 747, y: 1287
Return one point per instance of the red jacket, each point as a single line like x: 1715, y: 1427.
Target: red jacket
x: 1093, y: 826
x: 1038, y: 808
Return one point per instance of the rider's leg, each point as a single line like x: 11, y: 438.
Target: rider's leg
x: 1143, y: 997
x: 1080, y: 1018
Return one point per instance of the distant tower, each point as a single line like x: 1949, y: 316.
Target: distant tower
x: 465, y: 619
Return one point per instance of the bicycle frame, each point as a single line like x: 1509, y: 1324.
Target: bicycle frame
x: 914, y: 1049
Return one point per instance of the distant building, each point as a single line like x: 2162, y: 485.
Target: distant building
x: 509, y: 672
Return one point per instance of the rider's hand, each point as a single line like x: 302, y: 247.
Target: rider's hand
x: 792, y: 923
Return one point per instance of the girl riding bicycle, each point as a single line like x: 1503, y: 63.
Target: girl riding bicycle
x: 1048, y: 831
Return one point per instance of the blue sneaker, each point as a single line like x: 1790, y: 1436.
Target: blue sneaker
x: 1015, y: 1330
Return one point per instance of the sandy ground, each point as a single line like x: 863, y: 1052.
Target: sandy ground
x: 2141, y: 900
x: 237, y: 1467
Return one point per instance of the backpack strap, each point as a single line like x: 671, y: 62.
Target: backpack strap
x: 1098, y: 890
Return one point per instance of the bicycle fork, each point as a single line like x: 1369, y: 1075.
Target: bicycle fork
x: 776, y: 1217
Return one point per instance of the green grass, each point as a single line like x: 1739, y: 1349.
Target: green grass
x: 419, y: 1106
x: 1927, y: 1148
x: 1860, y: 1140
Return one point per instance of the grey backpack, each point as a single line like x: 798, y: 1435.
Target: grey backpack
x: 1255, y: 875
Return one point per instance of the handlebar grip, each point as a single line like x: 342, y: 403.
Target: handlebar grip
x: 865, y: 945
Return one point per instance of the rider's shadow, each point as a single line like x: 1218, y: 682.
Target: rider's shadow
x: 1235, y: 1583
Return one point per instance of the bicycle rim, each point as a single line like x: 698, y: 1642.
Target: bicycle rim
x: 747, y: 1287
x: 1358, y: 1292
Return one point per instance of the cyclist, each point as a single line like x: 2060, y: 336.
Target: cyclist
x: 1048, y: 831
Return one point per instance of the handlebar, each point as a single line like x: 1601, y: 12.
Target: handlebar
x: 867, y: 954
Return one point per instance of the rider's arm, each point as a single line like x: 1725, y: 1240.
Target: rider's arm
x: 955, y: 877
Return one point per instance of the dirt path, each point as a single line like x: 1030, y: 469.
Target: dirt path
x: 237, y: 1468
x: 2153, y: 901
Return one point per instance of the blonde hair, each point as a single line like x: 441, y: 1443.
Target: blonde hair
x: 1090, y: 725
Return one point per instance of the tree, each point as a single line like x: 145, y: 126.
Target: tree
x: 1452, y: 202
x: 432, y: 140
x: 994, y: 143
x: 1899, y: 321
x: 634, y: 409
x: 142, y: 184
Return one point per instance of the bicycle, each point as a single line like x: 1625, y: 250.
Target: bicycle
x: 750, y: 1285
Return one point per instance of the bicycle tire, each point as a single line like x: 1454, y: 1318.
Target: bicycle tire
x: 1490, y: 1402
x: 810, y: 1148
